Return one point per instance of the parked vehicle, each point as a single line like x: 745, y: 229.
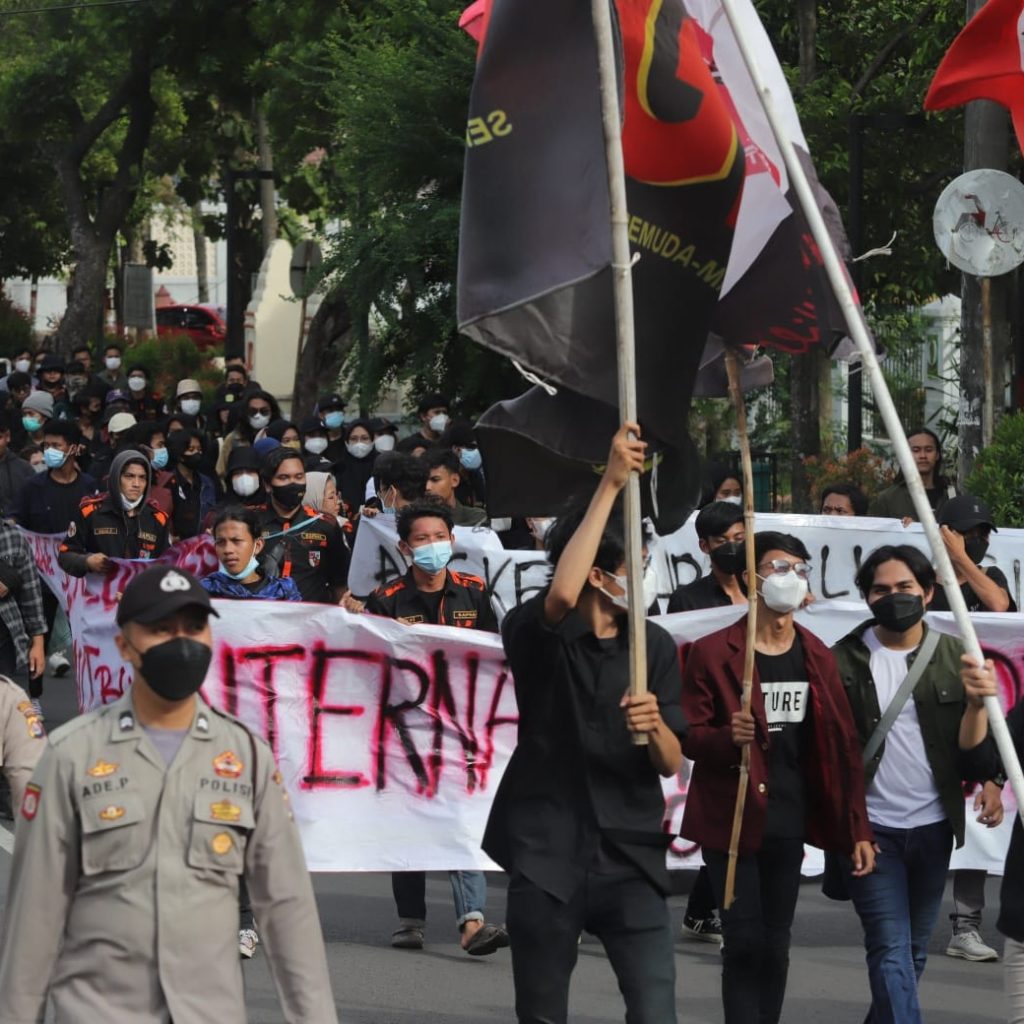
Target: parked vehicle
x: 201, y: 323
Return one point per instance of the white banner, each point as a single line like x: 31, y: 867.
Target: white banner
x: 392, y: 739
x: 838, y: 545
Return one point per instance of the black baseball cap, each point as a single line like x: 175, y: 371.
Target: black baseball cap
x: 161, y: 591
x: 332, y: 401
x: 964, y: 512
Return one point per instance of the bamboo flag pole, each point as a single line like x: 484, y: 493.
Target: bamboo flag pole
x: 859, y: 333
x: 736, y: 392
x: 622, y: 283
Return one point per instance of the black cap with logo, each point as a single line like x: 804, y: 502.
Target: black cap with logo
x: 161, y: 591
x: 964, y: 512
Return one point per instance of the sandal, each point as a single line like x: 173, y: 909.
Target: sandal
x: 488, y: 939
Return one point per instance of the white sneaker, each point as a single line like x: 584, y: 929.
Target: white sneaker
x: 248, y: 940
x: 969, y: 946
x: 59, y: 664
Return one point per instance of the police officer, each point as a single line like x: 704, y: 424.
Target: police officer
x: 22, y: 737
x: 138, y: 824
x: 122, y: 523
x: 299, y: 542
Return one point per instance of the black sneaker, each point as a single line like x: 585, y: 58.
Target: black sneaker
x: 703, y: 929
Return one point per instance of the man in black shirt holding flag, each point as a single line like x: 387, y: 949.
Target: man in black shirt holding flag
x: 577, y: 818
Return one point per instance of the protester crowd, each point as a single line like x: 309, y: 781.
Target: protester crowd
x: 863, y: 750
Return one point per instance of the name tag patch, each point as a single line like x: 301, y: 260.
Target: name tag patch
x: 784, y: 704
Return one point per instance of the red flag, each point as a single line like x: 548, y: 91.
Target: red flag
x: 985, y: 62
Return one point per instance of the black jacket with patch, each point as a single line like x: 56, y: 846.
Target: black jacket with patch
x: 464, y: 602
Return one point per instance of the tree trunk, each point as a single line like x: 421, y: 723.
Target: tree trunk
x: 202, y: 264
x: 986, y: 144
x: 268, y: 208
x: 92, y: 236
x: 330, y: 339
x: 806, y: 370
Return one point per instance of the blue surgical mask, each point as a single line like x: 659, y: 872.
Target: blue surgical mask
x: 333, y: 420
x: 54, y: 458
x: 434, y: 557
x: 245, y: 573
x: 159, y: 460
x: 31, y: 424
x: 471, y: 458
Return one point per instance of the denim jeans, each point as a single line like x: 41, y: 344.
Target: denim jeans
x: 469, y: 890
x: 898, y: 904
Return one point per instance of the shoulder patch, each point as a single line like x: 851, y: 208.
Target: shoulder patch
x: 391, y: 588
x: 158, y: 513
x: 465, y: 579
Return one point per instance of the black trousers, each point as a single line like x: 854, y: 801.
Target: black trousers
x: 630, y: 917
x: 701, y: 903
x: 756, y: 929
x: 50, y: 606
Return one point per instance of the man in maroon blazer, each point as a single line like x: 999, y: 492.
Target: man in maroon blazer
x: 806, y: 777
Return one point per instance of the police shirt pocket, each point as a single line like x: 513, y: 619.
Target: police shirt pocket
x: 220, y: 829
x: 114, y: 837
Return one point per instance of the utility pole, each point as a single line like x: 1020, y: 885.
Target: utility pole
x: 986, y: 144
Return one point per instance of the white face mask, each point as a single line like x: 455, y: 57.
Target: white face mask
x: 359, y: 449
x: 733, y: 499
x: 190, y: 406
x: 137, y: 383
x: 129, y: 505
x: 23, y: 365
x: 384, y: 443
x: 783, y: 593
x: 316, y: 445
x: 650, y: 589
x: 113, y: 362
x: 259, y: 420
x: 539, y: 527
x: 438, y: 423
x: 245, y: 484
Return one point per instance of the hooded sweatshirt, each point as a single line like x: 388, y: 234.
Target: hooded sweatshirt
x: 103, y: 525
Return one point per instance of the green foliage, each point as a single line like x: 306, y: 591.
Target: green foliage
x: 998, y: 477
x: 15, y: 328
x: 168, y: 359
x: 864, y: 468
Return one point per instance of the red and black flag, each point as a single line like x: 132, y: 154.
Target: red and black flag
x: 535, y: 249
x: 535, y: 254
x: 985, y: 62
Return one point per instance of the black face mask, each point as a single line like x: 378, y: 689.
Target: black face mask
x: 728, y: 557
x: 288, y: 496
x: 192, y: 461
x: 176, y: 668
x: 976, y: 548
x: 898, y: 612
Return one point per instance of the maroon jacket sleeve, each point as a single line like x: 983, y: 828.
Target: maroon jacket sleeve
x: 708, y: 740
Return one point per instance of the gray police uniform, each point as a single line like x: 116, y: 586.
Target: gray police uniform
x: 123, y: 899
x: 22, y: 738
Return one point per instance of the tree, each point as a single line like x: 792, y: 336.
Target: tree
x: 99, y: 99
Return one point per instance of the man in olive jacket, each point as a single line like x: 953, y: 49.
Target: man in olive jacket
x: 913, y: 783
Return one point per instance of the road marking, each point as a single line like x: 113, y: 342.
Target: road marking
x: 6, y: 839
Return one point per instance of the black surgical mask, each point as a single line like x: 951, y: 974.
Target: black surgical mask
x: 288, y: 495
x: 898, y: 612
x: 976, y: 548
x: 728, y: 557
x: 176, y: 668
x: 192, y: 461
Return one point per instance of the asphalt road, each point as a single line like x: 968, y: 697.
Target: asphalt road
x: 375, y: 984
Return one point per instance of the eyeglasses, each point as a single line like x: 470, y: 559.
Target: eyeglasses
x: 779, y: 567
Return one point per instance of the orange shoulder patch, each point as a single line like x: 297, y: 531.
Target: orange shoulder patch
x: 468, y: 580
x: 393, y: 588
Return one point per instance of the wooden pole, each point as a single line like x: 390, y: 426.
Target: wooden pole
x: 880, y: 389
x: 736, y: 393
x: 622, y: 284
